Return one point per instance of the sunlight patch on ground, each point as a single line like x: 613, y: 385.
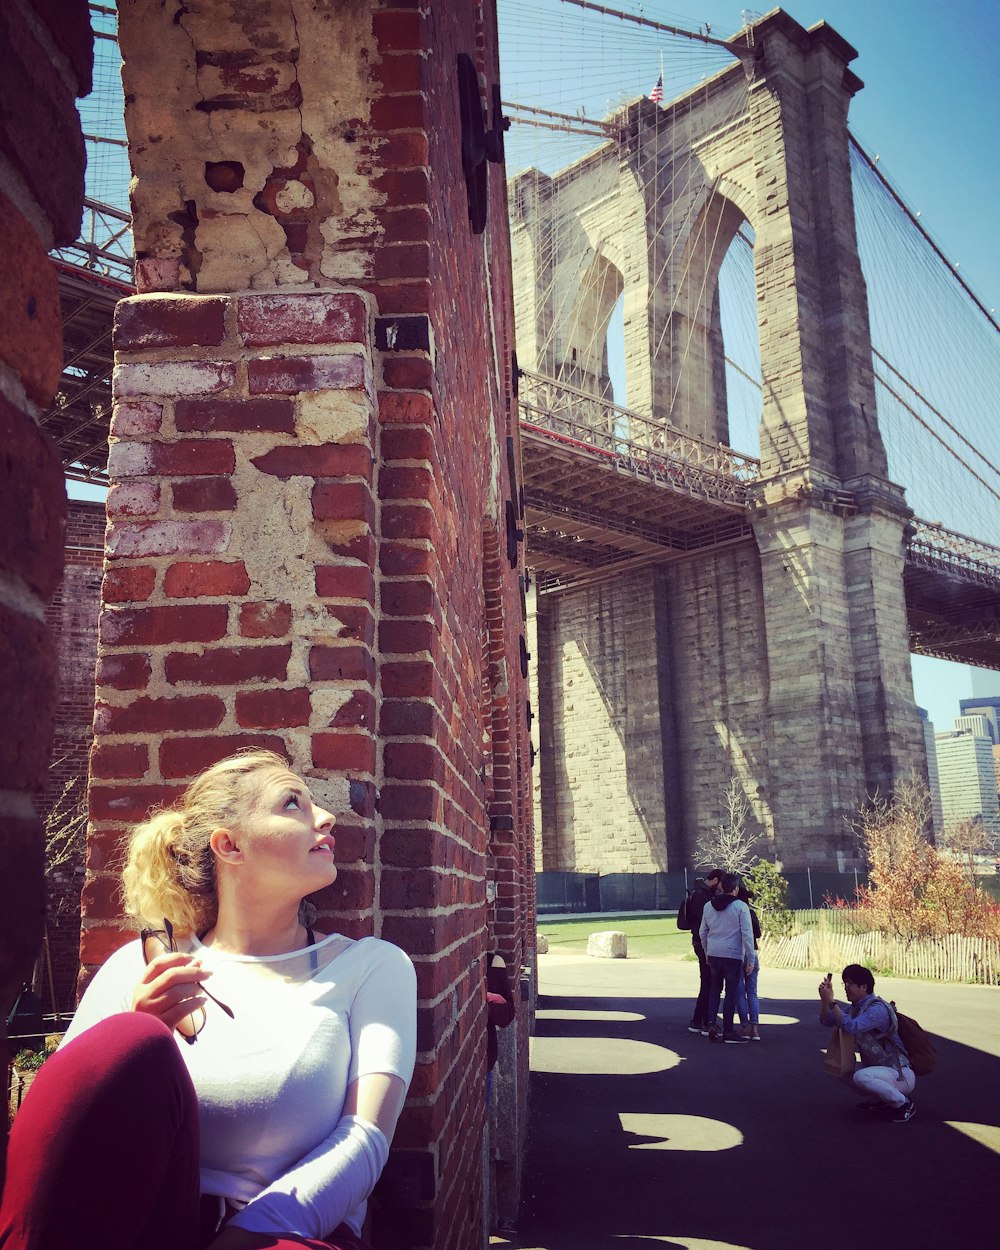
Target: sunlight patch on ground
x: 680, y: 1132
x: 987, y: 1135
x: 766, y: 1019
x: 599, y: 1056
x: 568, y: 1013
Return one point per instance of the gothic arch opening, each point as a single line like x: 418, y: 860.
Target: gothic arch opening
x: 585, y: 354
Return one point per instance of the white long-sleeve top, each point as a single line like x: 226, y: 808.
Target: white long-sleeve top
x: 271, y: 1082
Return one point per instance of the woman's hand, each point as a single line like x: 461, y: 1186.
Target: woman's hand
x: 170, y: 987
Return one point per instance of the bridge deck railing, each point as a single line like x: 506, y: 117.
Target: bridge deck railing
x: 936, y: 547
x: 637, y: 444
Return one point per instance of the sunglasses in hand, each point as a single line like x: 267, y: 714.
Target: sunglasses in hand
x: 155, y: 942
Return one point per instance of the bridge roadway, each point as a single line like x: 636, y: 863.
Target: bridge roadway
x: 604, y: 488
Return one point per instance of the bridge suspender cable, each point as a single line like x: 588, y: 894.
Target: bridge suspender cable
x: 645, y: 21
x: 934, y: 434
x: 940, y: 415
x: 916, y: 222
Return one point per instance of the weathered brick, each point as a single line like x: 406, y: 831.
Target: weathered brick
x: 128, y: 804
x: 344, y: 752
x: 288, y: 375
x: 98, y: 942
x: 326, y: 460
x: 272, y: 709
x: 119, y: 760
x: 410, y: 679
x: 123, y: 672
x: 133, y: 499
x: 338, y: 501
x: 405, y: 483
x: 406, y: 637
x: 404, y: 225
x: 228, y: 666
x: 405, y: 407
x: 189, y: 579
x: 408, y: 521
x: 134, y: 418
x: 355, y: 622
x: 128, y: 585
x: 203, y: 711
x: 394, y: 112
x: 345, y: 581
x: 186, y: 757
x: 136, y: 627
x: 168, y: 538
x: 265, y: 620
x: 409, y: 718
x: 408, y: 598
x: 403, y: 260
x: 204, y: 494
x: 329, y: 317
x: 397, y: 31
x: 173, y: 378
x: 148, y: 321
x: 212, y: 416
x: 341, y: 664
x: 357, y: 712
x: 415, y: 761
x: 407, y: 373
x: 397, y: 559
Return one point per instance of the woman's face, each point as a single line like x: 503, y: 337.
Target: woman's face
x: 284, y: 835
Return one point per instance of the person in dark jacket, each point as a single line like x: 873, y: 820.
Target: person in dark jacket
x: 727, y: 936
x: 703, y: 890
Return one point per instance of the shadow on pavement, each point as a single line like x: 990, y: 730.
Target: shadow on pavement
x: 643, y: 1136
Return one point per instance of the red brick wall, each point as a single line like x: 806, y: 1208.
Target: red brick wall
x: 308, y: 549
x: 45, y: 60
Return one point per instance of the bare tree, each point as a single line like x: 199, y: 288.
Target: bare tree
x: 65, y: 838
x: 733, y: 844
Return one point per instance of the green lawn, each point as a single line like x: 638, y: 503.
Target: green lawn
x: 654, y: 935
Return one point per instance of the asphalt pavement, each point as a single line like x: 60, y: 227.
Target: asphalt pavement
x: 643, y: 1135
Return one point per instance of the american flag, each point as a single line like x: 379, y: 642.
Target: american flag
x: 656, y: 95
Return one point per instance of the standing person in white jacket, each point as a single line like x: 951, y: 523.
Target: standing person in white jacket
x: 727, y: 935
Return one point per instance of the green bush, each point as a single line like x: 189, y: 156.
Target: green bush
x: 770, y: 898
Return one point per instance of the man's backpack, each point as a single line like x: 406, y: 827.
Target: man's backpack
x: 683, y: 920
x: 916, y: 1041
x: 918, y: 1044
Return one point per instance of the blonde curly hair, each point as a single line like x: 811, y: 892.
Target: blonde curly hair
x: 170, y: 866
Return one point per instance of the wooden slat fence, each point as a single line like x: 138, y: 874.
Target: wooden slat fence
x: 831, y: 941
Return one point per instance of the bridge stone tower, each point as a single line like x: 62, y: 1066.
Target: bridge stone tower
x: 783, y: 660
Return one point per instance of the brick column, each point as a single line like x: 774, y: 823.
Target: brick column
x: 45, y: 63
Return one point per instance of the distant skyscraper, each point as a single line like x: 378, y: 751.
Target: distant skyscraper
x: 932, y: 770
x: 967, y: 777
x: 986, y: 706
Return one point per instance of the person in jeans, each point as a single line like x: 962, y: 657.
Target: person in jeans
x: 884, y: 1074
x: 727, y: 936
x: 703, y: 890
x: 747, y: 1002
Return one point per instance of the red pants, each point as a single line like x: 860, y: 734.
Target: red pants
x: 103, y: 1153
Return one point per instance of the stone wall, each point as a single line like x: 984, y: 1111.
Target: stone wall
x: 46, y: 55
x: 313, y: 460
